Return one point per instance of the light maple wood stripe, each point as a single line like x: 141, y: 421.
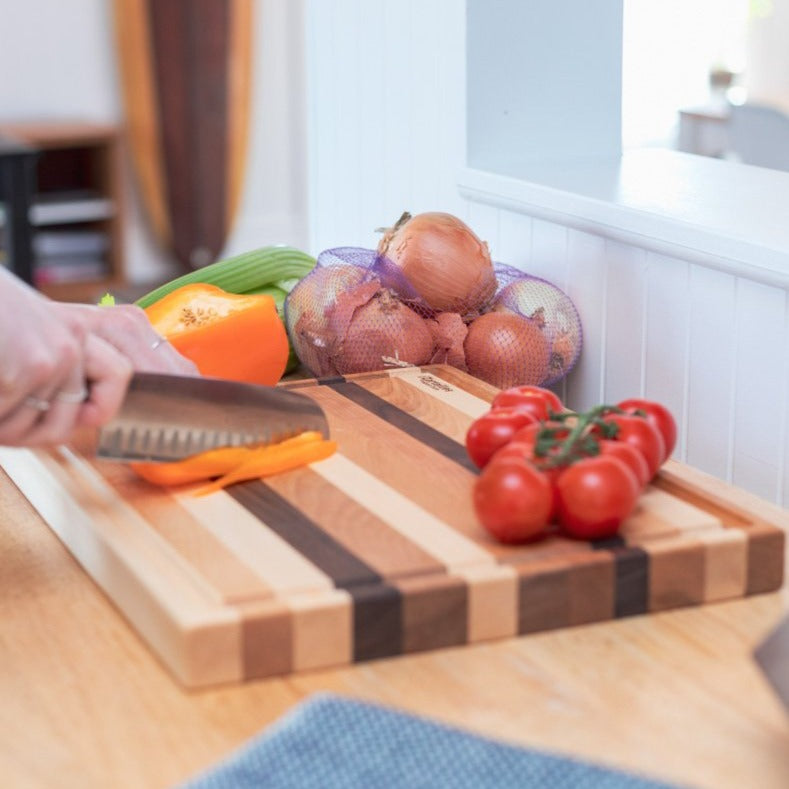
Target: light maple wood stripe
x: 132, y: 33
x: 270, y: 557
x: 660, y: 515
x: 431, y: 481
x: 726, y: 568
x: 233, y: 580
x: 433, y: 412
x: 172, y: 608
x: 328, y: 500
x: 447, y: 393
x: 322, y: 629
x: 425, y: 530
x: 492, y: 601
x: 474, y: 386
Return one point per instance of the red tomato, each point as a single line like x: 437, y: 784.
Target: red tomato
x: 492, y: 431
x: 643, y: 435
x: 524, y: 451
x: 659, y: 415
x: 629, y: 455
x: 532, y: 398
x: 528, y: 434
x: 513, y: 500
x: 595, y: 495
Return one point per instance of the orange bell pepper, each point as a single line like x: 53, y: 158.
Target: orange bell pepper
x: 237, y: 464
x: 238, y: 337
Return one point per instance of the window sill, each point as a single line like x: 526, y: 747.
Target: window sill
x: 723, y: 215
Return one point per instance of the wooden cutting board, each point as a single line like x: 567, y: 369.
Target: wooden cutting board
x: 376, y: 551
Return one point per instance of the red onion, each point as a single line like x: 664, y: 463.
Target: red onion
x: 377, y: 332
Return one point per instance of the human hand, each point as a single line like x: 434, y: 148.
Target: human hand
x: 128, y: 330
x: 46, y: 357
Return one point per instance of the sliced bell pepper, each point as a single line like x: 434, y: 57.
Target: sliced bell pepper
x: 238, y: 337
x: 236, y: 464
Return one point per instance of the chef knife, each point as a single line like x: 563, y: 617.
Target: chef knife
x: 169, y: 417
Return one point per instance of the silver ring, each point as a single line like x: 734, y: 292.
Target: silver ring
x: 37, y: 403
x: 157, y: 342
x: 73, y: 397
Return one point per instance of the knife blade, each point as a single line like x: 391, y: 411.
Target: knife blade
x: 170, y: 417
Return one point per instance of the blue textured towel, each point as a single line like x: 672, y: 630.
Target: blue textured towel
x: 329, y: 742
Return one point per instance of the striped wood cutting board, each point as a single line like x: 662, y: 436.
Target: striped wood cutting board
x: 376, y: 551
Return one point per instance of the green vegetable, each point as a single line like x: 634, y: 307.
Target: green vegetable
x: 107, y: 300
x: 273, y: 270
x: 244, y: 273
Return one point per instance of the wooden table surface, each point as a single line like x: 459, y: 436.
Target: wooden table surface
x: 675, y: 695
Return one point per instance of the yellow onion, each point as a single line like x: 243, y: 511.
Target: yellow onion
x: 441, y: 258
x: 507, y: 350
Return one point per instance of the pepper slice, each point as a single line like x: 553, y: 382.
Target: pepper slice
x: 227, y: 335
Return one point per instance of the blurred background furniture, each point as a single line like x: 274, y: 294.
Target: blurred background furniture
x: 758, y: 134
x: 62, y: 184
x: 17, y: 168
x: 704, y: 130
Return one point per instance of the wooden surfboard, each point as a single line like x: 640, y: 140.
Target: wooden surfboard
x: 185, y: 70
x: 375, y: 551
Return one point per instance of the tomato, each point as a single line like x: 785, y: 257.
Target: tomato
x: 594, y: 496
x: 492, y: 431
x: 536, y: 399
x: 513, y: 500
x: 659, y: 415
x: 643, y: 435
x: 524, y: 451
x: 629, y: 455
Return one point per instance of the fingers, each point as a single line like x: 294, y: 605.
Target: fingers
x: 109, y: 373
x: 29, y: 412
x: 57, y: 421
x: 127, y: 328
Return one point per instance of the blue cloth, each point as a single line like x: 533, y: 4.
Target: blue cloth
x: 329, y: 742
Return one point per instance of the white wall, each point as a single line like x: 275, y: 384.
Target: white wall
x: 387, y: 133
x: 57, y: 58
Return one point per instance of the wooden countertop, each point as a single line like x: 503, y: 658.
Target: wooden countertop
x: 675, y: 695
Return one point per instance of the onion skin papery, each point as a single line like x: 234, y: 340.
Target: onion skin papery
x: 443, y: 261
x: 449, y: 333
x: 507, y: 350
x: 381, y: 331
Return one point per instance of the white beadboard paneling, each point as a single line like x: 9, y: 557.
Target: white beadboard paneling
x: 586, y: 277
x: 710, y: 370
x: 484, y: 221
x: 514, y: 246
x: 395, y: 170
x: 666, y: 347
x: 783, y: 422
x: 549, y: 252
x: 370, y: 109
x: 759, y: 379
x: 624, y: 337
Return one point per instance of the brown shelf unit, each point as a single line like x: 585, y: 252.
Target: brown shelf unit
x: 77, y: 205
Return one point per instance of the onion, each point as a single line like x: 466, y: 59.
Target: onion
x: 449, y: 333
x: 507, y: 350
x: 442, y: 260
x: 307, y: 310
x: 553, y: 310
x: 380, y: 330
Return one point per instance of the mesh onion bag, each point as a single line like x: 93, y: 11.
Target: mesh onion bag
x: 356, y: 312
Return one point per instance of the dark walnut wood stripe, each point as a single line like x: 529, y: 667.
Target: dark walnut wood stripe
x: 402, y: 420
x: 631, y: 571
x: 377, y: 605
